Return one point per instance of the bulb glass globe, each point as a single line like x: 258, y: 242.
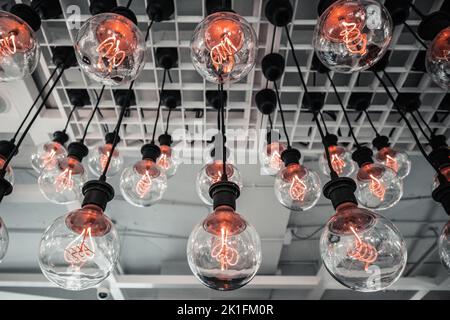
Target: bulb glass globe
x: 444, y: 246
x: 398, y: 161
x: 437, y: 60
x: 168, y: 161
x: 341, y: 161
x: 271, y: 157
x: 4, y: 240
x: 98, y: 159
x: 47, y: 154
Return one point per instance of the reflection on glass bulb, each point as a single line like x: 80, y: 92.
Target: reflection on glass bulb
x: 4, y: 240
x: 144, y: 184
x: 46, y: 155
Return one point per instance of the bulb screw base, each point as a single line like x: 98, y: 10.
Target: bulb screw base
x: 290, y: 156
x: 165, y: 140
x: 279, y: 12
x: 77, y: 150
x: 150, y: 151
x: 125, y: 12
x: 266, y: 101
x: 381, y: 142
x: 330, y: 140
x: 61, y: 137
x: 362, y: 155
x: 272, y: 66
x: 97, y: 192
x: 224, y: 193
x: 109, y: 138
x: 27, y: 14
x: 5, y: 188
x: 438, y: 141
x: 7, y: 148
x: 340, y: 190
x: 442, y: 195
x: 160, y: 10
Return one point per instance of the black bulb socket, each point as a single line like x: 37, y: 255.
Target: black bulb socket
x: 77, y: 150
x: 166, y: 58
x: 272, y: 66
x: 27, y: 14
x: 125, y: 12
x: 101, y: 6
x: 398, y: 10
x: 380, y: 142
x: 266, y: 101
x: 438, y: 141
x: 330, y: 140
x: 432, y: 24
x: 213, y: 98
x: 150, y: 151
x: 97, y: 192
x: 224, y: 193
x: 290, y: 156
x: 7, y: 148
x: 408, y: 101
x: 340, y: 190
x: 362, y: 155
x: 109, y: 138
x: 60, y: 137
x: 64, y: 56
x: 160, y: 10
x: 165, y: 140
x: 442, y: 195
x: 279, y: 12
x: 323, y: 5
x: 440, y: 157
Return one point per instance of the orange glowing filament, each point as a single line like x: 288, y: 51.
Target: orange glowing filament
x: 275, y: 160
x: 64, y: 181
x: 144, y: 185
x: 164, y: 161
x: 377, y: 187
x: 223, y: 253
x: 7, y: 46
x: 81, y: 249
x: 392, y: 163
x: 337, y: 163
x: 48, y: 157
x: 297, y: 191
x: 104, y: 159
x: 354, y: 40
x: 109, y: 50
x: 363, y: 251
x: 222, y: 54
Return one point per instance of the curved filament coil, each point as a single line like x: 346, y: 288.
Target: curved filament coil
x: 64, y: 181
x: 275, y: 161
x: 392, y: 163
x: 222, y: 54
x: 217, y: 177
x: 8, y: 46
x: 376, y: 187
x: 354, y: 40
x: 363, y: 251
x: 48, y: 157
x: 297, y: 190
x: 163, y: 161
x: 104, y: 160
x: 144, y: 185
x: 223, y: 253
x: 81, y: 249
x: 337, y: 163
x: 109, y: 50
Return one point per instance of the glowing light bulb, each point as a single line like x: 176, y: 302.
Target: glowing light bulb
x: 341, y: 161
x: 297, y: 190
x: 144, y: 184
x: 98, y: 159
x: 223, y: 47
x: 271, y: 157
x: 396, y: 160
x: 352, y: 35
x: 168, y: 161
x: 361, y: 249
x: 437, y: 60
x: 109, y: 50
x: 7, y: 45
x: 224, y: 250
x: 377, y: 187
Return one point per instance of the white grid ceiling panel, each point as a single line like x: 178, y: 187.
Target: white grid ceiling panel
x: 241, y: 109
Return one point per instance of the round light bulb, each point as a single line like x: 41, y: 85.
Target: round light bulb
x: 271, y: 157
x: 445, y: 170
x: 168, y: 161
x: 4, y: 240
x: 9, y: 174
x: 110, y: 49
x: 223, y: 47
x: 212, y: 173
x: 143, y: 184
x: 396, y: 160
x: 19, y: 48
x: 362, y: 250
x: 80, y: 249
x: 46, y: 154
x: 297, y: 188
x: 378, y: 186
x: 224, y: 250
x: 98, y: 159
x: 437, y: 60
x: 61, y: 182
x: 341, y: 161
x: 444, y: 246
x: 352, y: 35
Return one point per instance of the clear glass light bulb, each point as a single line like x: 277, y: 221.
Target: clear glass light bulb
x: 110, y: 49
x: 19, y: 48
x: 168, y: 161
x: 362, y: 250
x: 444, y: 246
x: 352, y: 35
x: 143, y: 184
x: 212, y: 173
x: 61, y: 182
x: 223, y: 47
x: 437, y: 60
x: 297, y: 188
x: 446, y: 172
x: 4, y: 240
x: 46, y: 154
x: 341, y: 160
x: 224, y: 250
x: 9, y: 174
x: 396, y: 160
x: 378, y: 186
x: 98, y: 159
x: 80, y: 249
x: 271, y: 157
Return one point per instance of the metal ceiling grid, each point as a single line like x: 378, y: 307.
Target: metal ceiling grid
x: 196, y: 116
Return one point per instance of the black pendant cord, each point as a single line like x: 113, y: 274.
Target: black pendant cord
x: 28, y: 127
x: 333, y: 173
x: 347, y: 119
x: 302, y: 79
x: 269, y: 116
x: 271, y: 49
x: 371, y: 123
x: 68, y: 118
x: 221, y: 111
x: 282, y: 115
x: 159, y: 106
x: 32, y: 106
x: 422, y: 43
x: 323, y: 122
x: 417, y: 11
x: 441, y: 177
x: 425, y: 123
x: 412, y: 114
x: 168, y: 121
x: 99, y: 98
x: 129, y: 3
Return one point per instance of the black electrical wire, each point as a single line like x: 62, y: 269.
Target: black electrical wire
x: 69, y: 117
x: 415, y: 35
x: 296, y: 61
x: 224, y: 150
x: 129, y: 3
x: 270, y: 121
x: 333, y: 173
x: 168, y: 120
x: 282, y: 115
x: 343, y: 110
x: 34, y: 103
x: 417, y: 11
x: 371, y: 123
x: 92, y: 114
x: 323, y: 122
x: 425, y: 123
x: 273, y: 39
x: 159, y: 106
